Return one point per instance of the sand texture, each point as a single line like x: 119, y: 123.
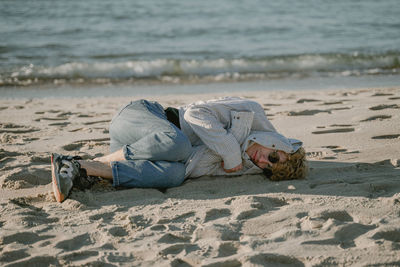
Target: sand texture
x: 346, y: 213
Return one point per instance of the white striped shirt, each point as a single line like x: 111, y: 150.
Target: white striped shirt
x: 218, y: 130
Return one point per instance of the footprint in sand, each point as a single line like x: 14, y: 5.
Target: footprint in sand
x: 90, y: 143
x: 158, y: 227
x: 51, y: 111
x: 267, y: 203
x: 384, y: 106
x: 339, y: 215
x: 387, y: 136
x: 377, y: 117
x: 106, y: 216
x: 67, y: 114
x: 304, y: 100
x: 215, y: 214
x: 139, y: 221
x: 14, y: 255
x: 30, y: 139
x: 59, y: 123
x: 25, y: 238
x: 310, y: 112
x: 336, y: 149
x: 40, y: 158
x: 85, y: 116
x: 5, y: 154
x: 223, y: 232
x: 119, y: 258
x: 34, y: 218
x: 118, y: 231
x: 73, y: 146
x: 392, y: 235
x: 95, y: 122
x: 269, y: 259
x: 52, y: 119
x: 339, y: 150
x: 10, y: 125
x: 331, y: 147
x: 173, y: 238
x: 221, y: 262
x: 74, y: 243
x: 181, y: 218
x: 25, y: 177
x: 352, y: 152
x: 227, y: 249
x: 17, y: 129
x: 344, y: 233
x: 39, y: 260
x: 339, y: 130
x: 78, y: 255
x: 332, y: 103
x: 178, y: 248
x: 76, y: 130
x: 271, y: 105
x: 341, y: 125
x: 307, y: 112
x: 257, y: 206
x: 382, y: 94
x: 341, y: 108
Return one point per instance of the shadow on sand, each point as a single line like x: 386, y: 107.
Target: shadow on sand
x: 326, y: 178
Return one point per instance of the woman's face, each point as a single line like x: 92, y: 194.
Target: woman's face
x: 259, y: 155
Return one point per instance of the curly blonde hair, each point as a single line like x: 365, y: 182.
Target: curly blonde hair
x: 293, y: 168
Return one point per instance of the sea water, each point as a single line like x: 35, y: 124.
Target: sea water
x: 128, y: 42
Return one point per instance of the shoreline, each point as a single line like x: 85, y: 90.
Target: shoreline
x: 158, y: 89
x: 345, y: 212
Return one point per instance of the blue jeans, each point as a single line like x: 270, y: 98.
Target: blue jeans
x: 155, y: 149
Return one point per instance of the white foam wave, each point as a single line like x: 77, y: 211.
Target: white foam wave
x: 216, y: 69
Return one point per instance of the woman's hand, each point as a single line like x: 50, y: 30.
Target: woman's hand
x: 237, y: 168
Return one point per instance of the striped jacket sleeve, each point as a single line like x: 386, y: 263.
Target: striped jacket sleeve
x: 206, y: 162
x: 226, y: 143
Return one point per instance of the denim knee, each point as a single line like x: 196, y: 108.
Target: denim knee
x: 175, y: 176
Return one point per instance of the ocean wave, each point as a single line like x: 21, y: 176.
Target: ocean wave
x: 195, y: 70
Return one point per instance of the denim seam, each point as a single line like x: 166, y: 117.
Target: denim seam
x: 114, y: 169
x: 120, y: 111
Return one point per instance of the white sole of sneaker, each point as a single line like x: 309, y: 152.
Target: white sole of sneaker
x: 55, y: 182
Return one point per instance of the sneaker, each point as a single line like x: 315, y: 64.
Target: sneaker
x: 66, y: 173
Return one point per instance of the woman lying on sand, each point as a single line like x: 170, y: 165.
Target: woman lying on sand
x: 158, y: 148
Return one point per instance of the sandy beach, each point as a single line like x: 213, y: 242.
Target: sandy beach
x: 345, y: 213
